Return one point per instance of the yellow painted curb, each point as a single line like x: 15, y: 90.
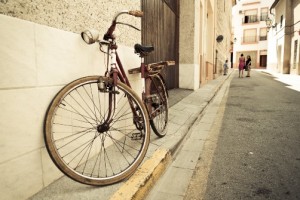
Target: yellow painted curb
x: 139, y: 184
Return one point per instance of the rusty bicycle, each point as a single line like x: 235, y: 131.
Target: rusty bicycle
x: 97, y: 129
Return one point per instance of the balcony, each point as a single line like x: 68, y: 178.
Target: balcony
x: 250, y: 19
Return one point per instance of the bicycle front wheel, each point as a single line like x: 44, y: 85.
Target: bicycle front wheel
x: 159, y: 106
x: 96, y: 137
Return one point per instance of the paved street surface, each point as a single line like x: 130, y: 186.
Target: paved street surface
x: 194, y: 123
x: 251, y: 151
x: 257, y: 154
x: 174, y: 183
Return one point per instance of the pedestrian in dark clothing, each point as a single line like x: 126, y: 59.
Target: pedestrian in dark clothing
x: 225, y: 66
x: 248, y: 66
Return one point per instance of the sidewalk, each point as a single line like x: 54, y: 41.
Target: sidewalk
x: 182, y: 115
x: 293, y: 81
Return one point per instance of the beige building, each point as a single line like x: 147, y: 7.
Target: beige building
x: 201, y: 56
x: 250, y: 31
x: 284, y: 36
x: 41, y: 51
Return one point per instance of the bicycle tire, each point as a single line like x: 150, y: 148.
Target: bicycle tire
x: 159, y: 123
x: 74, y: 143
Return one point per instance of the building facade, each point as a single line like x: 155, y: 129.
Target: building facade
x: 250, y: 31
x: 284, y: 37
x: 201, y: 57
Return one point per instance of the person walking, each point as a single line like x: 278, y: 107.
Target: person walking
x: 225, y: 66
x: 248, y: 65
x: 241, y: 65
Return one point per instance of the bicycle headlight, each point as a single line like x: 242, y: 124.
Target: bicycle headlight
x: 90, y: 36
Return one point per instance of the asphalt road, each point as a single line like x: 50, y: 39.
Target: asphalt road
x: 254, y: 150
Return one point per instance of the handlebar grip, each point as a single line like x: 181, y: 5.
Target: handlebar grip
x: 136, y: 13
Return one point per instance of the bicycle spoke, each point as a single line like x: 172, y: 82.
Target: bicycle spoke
x: 82, y: 108
x: 85, y: 132
x: 87, y: 145
x: 80, y: 113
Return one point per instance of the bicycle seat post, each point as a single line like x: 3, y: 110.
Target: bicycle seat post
x: 113, y: 61
x: 142, y: 67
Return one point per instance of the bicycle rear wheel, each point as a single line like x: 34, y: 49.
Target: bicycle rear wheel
x: 160, y: 106
x: 92, y: 135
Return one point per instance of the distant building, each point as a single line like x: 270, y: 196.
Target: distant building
x: 250, y: 31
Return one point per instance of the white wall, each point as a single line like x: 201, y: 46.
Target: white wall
x: 239, y: 28
x: 36, y: 61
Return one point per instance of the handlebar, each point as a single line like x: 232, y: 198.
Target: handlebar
x: 109, y: 34
x: 136, y: 13
x: 92, y: 36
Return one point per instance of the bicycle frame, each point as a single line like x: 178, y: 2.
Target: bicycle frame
x: 117, y: 73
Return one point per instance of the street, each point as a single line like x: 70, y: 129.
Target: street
x: 253, y: 152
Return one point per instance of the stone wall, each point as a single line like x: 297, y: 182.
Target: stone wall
x: 76, y: 15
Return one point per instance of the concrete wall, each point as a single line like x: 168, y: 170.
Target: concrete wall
x: 39, y: 54
x: 283, y: 54
x: 223, y: 27
x: 201, y: 21
x: 282, y: 35
x: 295, y: 36
x: 188, y: 45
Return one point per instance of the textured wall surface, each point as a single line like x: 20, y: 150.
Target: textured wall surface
x: 223, y: 23
x: 40, y: 52
x: 76, y: 15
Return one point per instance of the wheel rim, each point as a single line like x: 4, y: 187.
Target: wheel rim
x: 160, y: 121
x: 87, y: 148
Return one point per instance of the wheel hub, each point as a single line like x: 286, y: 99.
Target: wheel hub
x: 103, y: 128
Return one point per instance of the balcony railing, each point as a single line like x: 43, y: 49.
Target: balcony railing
x: 250, y: 19
x: 264, y: 16
x: 262, y: 38
x: 254, y: 18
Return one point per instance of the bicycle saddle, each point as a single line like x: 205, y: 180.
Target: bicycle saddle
x: 143, y: 50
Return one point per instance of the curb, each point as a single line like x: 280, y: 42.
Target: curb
x: 140, y: 183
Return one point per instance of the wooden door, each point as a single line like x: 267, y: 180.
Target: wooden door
x: 160, y: 29
x: 263, y: 60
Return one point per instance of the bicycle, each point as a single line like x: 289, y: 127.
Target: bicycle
x: 97, y: 129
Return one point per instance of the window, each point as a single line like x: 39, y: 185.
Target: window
x: 263, y: 34
x: 263, y: 14
x: 281, y: 21
x: 250, y: 36
x: 250, y: 16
